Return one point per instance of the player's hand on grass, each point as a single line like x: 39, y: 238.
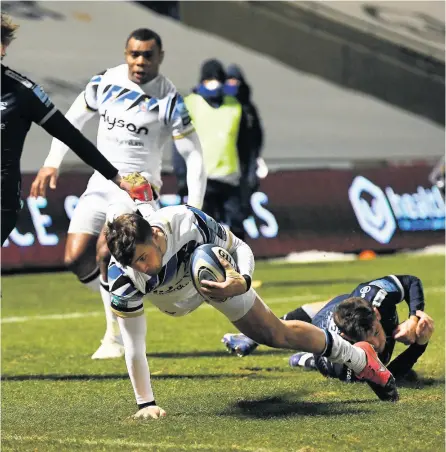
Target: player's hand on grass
x: 150, y: 412
x: 406, y: 332
x: 425, y: 328
x: 234, y: 284
x: 46, y: 175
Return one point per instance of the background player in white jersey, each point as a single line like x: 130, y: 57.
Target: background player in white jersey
x: 140, y: 111
x: 153, y: 259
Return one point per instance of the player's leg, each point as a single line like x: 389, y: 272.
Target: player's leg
x: 80, y: 258
x: 211, y: 201
x: 252, y: 317
x: 111, y: 344
x: 8, y: 222
x: 242, y: 345
x: 81, y: 248
x: 316, y: 314
x: 234, y: 214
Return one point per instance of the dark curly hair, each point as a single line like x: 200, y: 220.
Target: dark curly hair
x: 355, y: 317
x: 124, y: 233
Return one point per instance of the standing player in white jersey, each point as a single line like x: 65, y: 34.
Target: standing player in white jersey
x: 151, y: 256
x: 140, y: 111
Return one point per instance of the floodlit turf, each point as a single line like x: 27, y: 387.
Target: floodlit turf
x: 55, y: 398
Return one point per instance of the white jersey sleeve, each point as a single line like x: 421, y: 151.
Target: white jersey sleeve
x: 188, y: 145
x: 80, y: 112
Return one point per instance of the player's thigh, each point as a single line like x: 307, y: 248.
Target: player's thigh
x: 260, y: 324
x: 89, y: 214
x: 252, y: 317
x: 85, y: 226
x: 236, y: 308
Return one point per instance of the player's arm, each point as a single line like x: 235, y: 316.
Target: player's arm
x: 65, y: 131
x: 188, y: 145
x: 127, y: 304
x: 81, y: 111
x: 78, y: 115
x: 401, y: 365
x: 412, y: 292
x: 236, y: 283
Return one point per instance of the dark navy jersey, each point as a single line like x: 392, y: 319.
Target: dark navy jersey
x: 22, y: 103
x: 383, y: 293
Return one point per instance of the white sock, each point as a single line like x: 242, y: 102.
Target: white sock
x: 111, y: 319
x: 92, y: 280
x: 344, y: 353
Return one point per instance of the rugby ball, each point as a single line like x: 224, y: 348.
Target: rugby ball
x: 205, y: 266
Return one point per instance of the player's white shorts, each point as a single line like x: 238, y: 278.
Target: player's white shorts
x: 234, y: 308
x: 90, y: 212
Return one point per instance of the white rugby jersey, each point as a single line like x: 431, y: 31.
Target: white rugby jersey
x: 136, y: 121
x: 172, y: 290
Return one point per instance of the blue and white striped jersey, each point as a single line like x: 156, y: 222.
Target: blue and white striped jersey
x: 136, y: 122
x: 171, y: 290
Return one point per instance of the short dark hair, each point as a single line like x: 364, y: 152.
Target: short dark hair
x: 354, y: 317
x: 8, y: 29
x: 145, y: 34
x: 124, y: 233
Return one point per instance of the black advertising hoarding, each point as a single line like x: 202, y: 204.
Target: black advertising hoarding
x: 332, y: 210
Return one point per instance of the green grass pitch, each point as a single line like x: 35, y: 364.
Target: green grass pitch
x: 55, y: 398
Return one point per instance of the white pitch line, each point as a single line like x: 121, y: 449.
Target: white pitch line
x: 80, y: 315
x: 127, y: 443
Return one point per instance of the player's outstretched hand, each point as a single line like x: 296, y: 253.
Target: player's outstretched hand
x: 150, y: 412
x: 234, y: 284
x: 46, y: 175
x: 405, y: 332
x: 425, y: 328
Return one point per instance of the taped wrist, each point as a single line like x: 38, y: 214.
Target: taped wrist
x: 143, y: 405
x: 248, y: 282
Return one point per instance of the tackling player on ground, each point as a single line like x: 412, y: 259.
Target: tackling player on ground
x: 368, y: 313
x: 151, y: 257
x: 140, y: 111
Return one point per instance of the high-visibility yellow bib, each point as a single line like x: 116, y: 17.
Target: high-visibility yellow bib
x: 218, y: 130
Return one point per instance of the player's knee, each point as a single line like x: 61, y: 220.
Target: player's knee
x: 81, y: 264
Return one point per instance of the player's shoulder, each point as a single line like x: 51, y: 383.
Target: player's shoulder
x: 170, y: 214
x: 124, y: 281
x: 16, y: 78
x: 113, y: 72
x: 389, y: 283
x: 166, y: 87
x: 23, y: 86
